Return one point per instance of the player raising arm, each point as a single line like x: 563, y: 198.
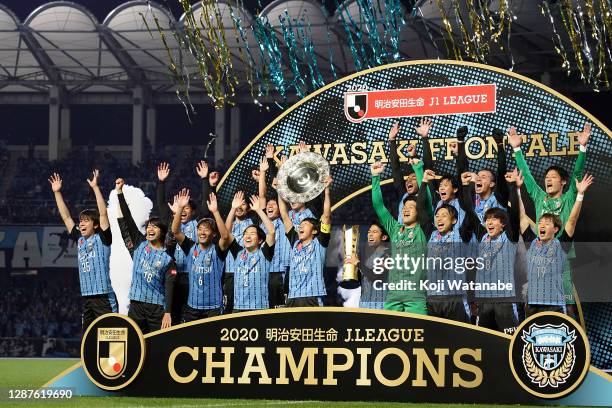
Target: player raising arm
x: 154, y: 270
x: 253, y: 260
x: 93, y: 237
x: 309, y: 241
x: 546, y: 256
x: 205, y: 260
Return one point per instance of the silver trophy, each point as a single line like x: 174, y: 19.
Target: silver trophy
x: 302, y: 177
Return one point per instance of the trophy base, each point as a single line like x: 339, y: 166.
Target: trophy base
x: 349, y: 284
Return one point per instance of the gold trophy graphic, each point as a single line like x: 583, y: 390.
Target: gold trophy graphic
x: 350, y: 240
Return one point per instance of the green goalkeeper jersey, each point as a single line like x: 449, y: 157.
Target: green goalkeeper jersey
x: 411, y: 242
x: 561, y: 206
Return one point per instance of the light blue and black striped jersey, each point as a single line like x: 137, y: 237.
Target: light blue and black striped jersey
x: 455, y: 203
x: 442, y: 250
x: 251, y: 276
x: 545, y: 263
x: 93, y: 255
x: 149, y: 274
x: 282, y: 248
x: 307, y: 263
x: 190, y: 229
x: 205, y: 266
x: 298, y: 216
x: 373, y: 295
x: 238, y: 228
x: 481, y: 206
x: 498, y: 255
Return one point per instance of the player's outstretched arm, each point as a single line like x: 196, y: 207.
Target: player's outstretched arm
x: 515, y: 140
x: 583, y: 140
x: 56, y: 186
x: 225, y: 236
x: 524, y: 219
x: 502, y: 190
x: 93, y: 183
x: 581, y: 187
x: 132, y: 237
x: 163, y: 171
x: 181, y: 200
x: 264, y: 166
x: 326, y: 217
x: 255, y: 203
x: 236, y: 202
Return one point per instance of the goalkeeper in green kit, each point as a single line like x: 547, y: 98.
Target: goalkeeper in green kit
x: 408, y: 240
x: 552, y: 199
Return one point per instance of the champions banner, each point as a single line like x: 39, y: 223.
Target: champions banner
x: 340, y: 354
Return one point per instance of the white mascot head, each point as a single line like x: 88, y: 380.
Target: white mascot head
x: 120, y: 259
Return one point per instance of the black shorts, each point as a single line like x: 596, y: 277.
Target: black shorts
x: 500, y: 316
x: 451, y: 308
x: 97, y: 305
x: 148, y: 316
x: 190, y: 314
x: 276, y: 290
x: 533, y: 309
x: 180, y: 295
x: 228, y: 293
x: 312, y: 301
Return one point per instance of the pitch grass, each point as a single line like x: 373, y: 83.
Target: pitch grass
x: 32, y: 373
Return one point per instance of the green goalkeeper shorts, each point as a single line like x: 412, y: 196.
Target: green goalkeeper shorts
x: 410, y: 307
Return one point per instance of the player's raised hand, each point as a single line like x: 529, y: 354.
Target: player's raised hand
x: 174, y: 207
x: 395, y: 128
x: 352, y: 259
x: 583, y: 137
x: 411, y: 149
x: 429, y: 175
x: 183, y: 198
x: 93, y: 182
x: 454, y: 147
x: 255, y: 174
x: 583, y: 185
x: 303, y: 147
x: 269, y: 151
x: 163, y: 170
x: 202, y: 169
x: 56, y: 182
x: 514, y: 139
x: 519, y: 179
x: 213, y: 178
x: 377, y: 168
x: 283, y: 159
x: 212, y: 203
x: 263, y: 165
x: 466, y: 178
x: 119, y: 183
x: 423, y: 129
x: 328, y: 181
x: 254, y: 203
x: 511, y: 176
x: 238, y: 200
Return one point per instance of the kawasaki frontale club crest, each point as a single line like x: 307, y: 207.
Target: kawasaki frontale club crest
x: 548, y: 353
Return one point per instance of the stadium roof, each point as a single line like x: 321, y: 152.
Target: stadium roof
x: 61, y: 44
